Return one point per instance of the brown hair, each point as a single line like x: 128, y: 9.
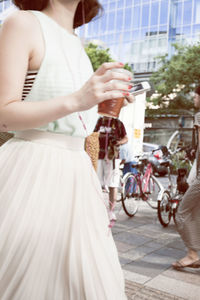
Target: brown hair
x: 91, y: 8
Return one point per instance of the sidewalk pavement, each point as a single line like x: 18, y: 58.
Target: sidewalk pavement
x: 146, y: 251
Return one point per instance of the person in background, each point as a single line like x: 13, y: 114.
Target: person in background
x: 192, y: 151
x: 54, y: 227
x: 112, y: 134
x: 188, y: 214
x: 127, y: 158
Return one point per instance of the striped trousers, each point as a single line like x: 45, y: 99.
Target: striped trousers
x: 188, y: 216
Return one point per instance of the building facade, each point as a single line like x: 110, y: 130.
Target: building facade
x: 6, y: 7
x: 138, y: 31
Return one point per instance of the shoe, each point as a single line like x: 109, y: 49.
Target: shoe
x: 179, y: 265
x: 112, y: 216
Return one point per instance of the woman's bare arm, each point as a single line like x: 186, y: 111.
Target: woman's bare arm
x: 16, y: 51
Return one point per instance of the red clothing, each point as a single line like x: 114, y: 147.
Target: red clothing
x: 111, y: 130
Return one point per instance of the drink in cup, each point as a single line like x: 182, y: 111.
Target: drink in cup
x: 112, y: 107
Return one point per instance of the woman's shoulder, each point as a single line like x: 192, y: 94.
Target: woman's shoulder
x: 20, y: 27
x: 20, y: 20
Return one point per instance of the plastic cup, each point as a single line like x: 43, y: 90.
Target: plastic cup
x: 112, y: 107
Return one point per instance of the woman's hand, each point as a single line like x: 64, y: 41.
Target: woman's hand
x: 104, y: 85
x: 128, y: 99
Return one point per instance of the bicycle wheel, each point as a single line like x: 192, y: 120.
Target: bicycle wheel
x: 174, y: 215
x: 175, y: 208
x: 174, y: 141
x: 151, y: 191
x: 164, y: 209
x: 130, y: 194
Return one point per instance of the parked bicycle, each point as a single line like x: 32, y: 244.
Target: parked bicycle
x: 171, y: 197
x: 141, y: 186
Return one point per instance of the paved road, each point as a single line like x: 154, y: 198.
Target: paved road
x: 146, y: 251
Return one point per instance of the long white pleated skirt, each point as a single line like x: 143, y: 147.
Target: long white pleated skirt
x: 55, y: 243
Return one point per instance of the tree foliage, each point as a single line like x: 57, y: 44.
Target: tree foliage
x: 177, y: 77
x: 98, y: 56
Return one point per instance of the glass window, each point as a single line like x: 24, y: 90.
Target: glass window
x: 164, y: 12
x: 162, y: 42
x: 179, y: 38
x: 136, y: 48
x: 128, y: 3
x: 154, y: 13
x: 105, y: 7
x: 187, y: 12
x: 153, y: 43
x: 102, y: 38
x: 81, y: 31
x: 128, y: 17
x: 145, y: 15
x: 136, y: 1
x: 196, y: 29
x: 144, y: 32
x: 136, y: 17
x: 112, y: 5
x: 126, y: 36
x: 95, y: 28
x: 118, y: 38
x: 119, y: 21
x: 143, y: 66
x: 186, y: 30
x: 136, y: 35
x: 197, y: 12
x: 153, y: 29
x: 110, y: 38
x: 7, y: 4
x: 1, y: 6
x: 111, y: 21
x: 195, y: 38
x: 90, y: 29
x: 120, y: 3
x: 163, y: 28
x: 103, y: 23
x: 179, y: 13
x: 177, y: 30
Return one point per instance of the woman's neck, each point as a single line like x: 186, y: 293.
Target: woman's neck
x: 62, y: 13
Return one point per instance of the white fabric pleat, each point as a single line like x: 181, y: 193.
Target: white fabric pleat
x: 55, y: 242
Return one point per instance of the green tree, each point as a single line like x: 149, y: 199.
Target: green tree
x: 177, y: 77
x: 98, y: 56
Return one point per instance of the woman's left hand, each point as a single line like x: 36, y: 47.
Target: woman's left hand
x: 128, y: 99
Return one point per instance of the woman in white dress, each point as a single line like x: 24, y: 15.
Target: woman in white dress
x: 55, y: 243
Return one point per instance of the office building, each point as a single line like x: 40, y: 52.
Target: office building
x: 137, y: 31
x: 6, y: 7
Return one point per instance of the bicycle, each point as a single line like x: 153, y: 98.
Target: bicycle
x: 141, y: 186
x: 171, y: 197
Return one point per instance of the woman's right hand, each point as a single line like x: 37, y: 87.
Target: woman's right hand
x: 101, y: 87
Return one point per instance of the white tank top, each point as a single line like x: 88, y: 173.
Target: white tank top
x: 54, y: 77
